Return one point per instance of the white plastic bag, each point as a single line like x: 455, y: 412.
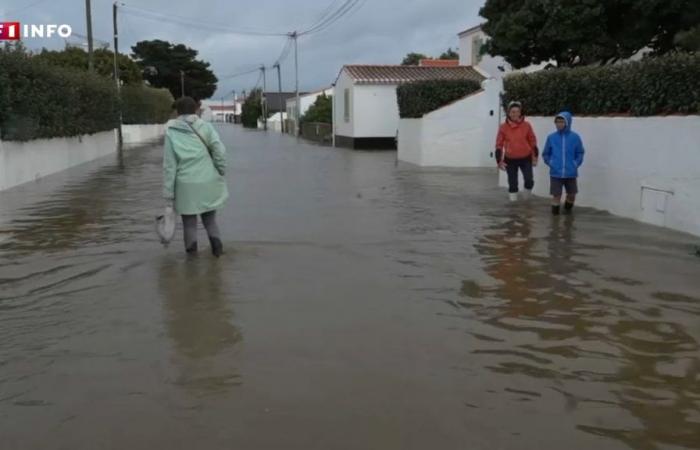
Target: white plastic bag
x: 165, y: 226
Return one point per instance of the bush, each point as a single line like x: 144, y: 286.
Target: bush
x: 419, y: 98
x: 38, y: 100
x: 320, y: 112
x: 654, y: 86
x: 251, y: 110
x: 145, y: 105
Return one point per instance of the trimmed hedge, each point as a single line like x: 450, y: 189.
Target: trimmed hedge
x: 42, y: 101
x: 145, y: 105
x: 654, y: 86
x: 422, y: 97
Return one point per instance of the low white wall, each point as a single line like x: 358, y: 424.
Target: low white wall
x: 411, y: 141
x: 142, y: 134
x: 459, y: 135
x: 22, y: 162
x: 641, y: 168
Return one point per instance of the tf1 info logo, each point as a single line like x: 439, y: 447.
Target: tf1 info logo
x: 14, y: 31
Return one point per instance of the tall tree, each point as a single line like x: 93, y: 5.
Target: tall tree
x: 77, y: 58
x: 165, y: 61
x: 251, y: 110
x: 575, y: 32
x: 450, y: 54
x: 413, y: 59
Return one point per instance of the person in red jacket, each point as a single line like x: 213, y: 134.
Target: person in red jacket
x: 516, y: 149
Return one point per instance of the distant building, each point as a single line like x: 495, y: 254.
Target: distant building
x: 306, y: 100
x: 277, y: 101
x: 216, y: 111
x: 366, y: 109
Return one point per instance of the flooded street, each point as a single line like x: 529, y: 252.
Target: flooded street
x: 361, y: 305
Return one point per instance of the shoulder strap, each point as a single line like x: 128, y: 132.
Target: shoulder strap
x: 200, y: 138
x: 211, y: 156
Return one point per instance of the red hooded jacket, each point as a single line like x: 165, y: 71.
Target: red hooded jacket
x: 517, y: 140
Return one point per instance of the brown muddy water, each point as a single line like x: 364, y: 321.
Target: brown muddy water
x: 361, y: 305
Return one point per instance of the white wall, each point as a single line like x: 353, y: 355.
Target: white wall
x: 459, y: 135
x: 411, y: 141
x: 22, y: 162
x: 343, y: 128
x: 641, y: 168
x: 142, y: 134
x: 376, y: 111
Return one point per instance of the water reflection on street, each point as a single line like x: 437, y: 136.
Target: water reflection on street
x: 361, y: 304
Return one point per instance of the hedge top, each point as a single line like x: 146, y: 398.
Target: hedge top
x: 654, y: 86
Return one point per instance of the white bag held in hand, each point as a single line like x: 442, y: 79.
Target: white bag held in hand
x: 165, y: 226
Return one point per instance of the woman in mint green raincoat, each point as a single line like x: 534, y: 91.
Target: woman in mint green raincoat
x: 194, y: 164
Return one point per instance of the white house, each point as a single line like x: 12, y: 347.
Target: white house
x: 471, y: 41
x: 216, y: 111
x: 366, y: 112
x: 305, y: 100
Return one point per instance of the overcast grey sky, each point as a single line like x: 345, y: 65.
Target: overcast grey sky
x: 379, y: 32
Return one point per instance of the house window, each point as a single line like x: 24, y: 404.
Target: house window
x: 477, y: 43
x: 346, y: 102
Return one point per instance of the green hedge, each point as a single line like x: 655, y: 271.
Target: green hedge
x: 654, y: 86
x: 146, y: 105
x: 421, y: 97
x: 42, y: 101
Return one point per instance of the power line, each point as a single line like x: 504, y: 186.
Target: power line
x: 324, y: 13
x: 186, y: 21
x: 239, y: 74
x: 285, y: 52
x: 328, y: 17
x: 24, y: 8
x: 341, y: 12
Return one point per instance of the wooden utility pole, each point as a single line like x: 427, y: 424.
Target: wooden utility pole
x: 88, y: 16
x: 283, y: 106
x: 120, y: 138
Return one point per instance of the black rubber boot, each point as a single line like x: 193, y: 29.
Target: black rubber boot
x: 568, y: 207
x: 556, y: 209
x: 192, y: 250
x: 217, y: 248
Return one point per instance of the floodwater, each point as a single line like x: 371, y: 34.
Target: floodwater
x: 361, y: 305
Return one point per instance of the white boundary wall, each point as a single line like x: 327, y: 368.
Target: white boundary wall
x: 142, y: 134
x: 461, y: 134
x: 23, y: 162
x: 647, y: 169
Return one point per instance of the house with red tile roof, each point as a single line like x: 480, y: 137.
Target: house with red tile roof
x: 366, y: 113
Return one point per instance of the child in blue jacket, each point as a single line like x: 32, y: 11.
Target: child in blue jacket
x: 563, y: 153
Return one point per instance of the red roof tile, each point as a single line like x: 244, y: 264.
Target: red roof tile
x: 405, y: 74
x: 438, y: 63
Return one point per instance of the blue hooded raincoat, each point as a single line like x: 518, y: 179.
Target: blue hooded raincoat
x: 563, y: 151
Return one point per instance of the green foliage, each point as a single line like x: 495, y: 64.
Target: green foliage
x: 450, y: 54
x: 413, y: 59
x: 421, y: 97
x: 321, y: 111
x: 581, y: 32
x: 38, y: 100
x: 654, y: 86
x: 252, y: 109
x: 689, y: 40
x: 145, y: 105
x: 162, y: 63
x: 77, y: 58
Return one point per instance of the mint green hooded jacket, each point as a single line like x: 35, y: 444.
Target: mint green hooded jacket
x: 191, y: 177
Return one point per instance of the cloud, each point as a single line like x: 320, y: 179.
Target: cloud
x: 381, y: 32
